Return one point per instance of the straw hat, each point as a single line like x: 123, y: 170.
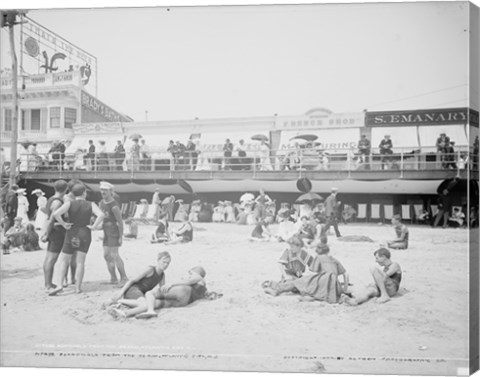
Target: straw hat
x: 38, y: 191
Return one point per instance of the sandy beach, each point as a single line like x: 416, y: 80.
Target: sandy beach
x: 421, y: 331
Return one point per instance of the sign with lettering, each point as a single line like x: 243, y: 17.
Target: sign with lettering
x: 417, y: 117
x: 327, y: 121
x: 44, y: 51
x: 93, y: 104
x: 473, y: 118
x: 98, y: 128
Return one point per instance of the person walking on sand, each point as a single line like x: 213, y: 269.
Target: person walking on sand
x: 112, y: 233
x: 78, y: 236
x: 331, y: 210
x: 41, y: 216
x: 387, y: 280
x: 53, y: 233
x: 133, y: 292
x: 182, y: 293
x: 401, y: 230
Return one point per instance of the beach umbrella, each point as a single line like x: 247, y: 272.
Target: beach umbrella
x: 309, y: 197
x: 247, y: 197
x: 304, y: 185
x: 259, y: 137
x: 306, y: 137
x: 185, y: 185
x: 135, y: 136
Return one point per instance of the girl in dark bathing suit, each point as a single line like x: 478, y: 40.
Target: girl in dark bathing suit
x: 182, y: 293
x: 133, y: 292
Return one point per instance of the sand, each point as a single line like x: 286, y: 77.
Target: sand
x: 421, y: 331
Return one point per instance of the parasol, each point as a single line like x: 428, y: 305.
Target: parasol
x: 307, y: 137
x: 135, y: 136
x: 308, y: 198
x: 259, y: 137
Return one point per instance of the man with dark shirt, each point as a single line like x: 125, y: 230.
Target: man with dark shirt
x: 91, y: 155
x: 119, y: 153
x: 386, y: 146
x: 11, y: 206
x: 364, y: 150
x: 441, y: 145
x: 227, y: 154
x: 331, y: 210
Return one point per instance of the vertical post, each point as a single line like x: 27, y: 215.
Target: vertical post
x: 401, y: 163
x: 14, y: 139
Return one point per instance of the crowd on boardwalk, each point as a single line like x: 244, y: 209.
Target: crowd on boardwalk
x: 301, y: 155
x: 65, y: 222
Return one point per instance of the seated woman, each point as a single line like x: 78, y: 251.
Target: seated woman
x: 133, y: 292
x: 183, y: 234
x: 195, y: 208
x: 161, y: 234
x: 323, y: 285
x: 286, y: 227
x: 14, y: 236
x: 306, y: 231
x: 219, y: 213
x: 294, y: 259
x: 261, y: 232
x: 30, y: 240
x: 132, y: 228
x: 176, y: 295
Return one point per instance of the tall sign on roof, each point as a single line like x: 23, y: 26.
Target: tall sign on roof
x: 44, y: 51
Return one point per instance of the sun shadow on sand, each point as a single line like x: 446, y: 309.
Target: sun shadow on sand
x: 100, y: 286
x: 21, y: 273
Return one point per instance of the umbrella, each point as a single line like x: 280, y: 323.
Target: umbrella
x: 259, y: 137
x: 307, y: 137
x: 247, y: 197
x: 304, y: 185
x: 185, y: 185
x: 308, y: 198
x: 135, y: 136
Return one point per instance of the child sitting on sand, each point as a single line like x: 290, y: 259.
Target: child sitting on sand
x: 132, y: 228
x: 133, y: 292
x: 387, y: 280
x: 13, y: 237
x: 261, y: 231
x: 182, y: 235
x: 30, y: 240
x: 306, y: 231
x: 161, y: 233
x: 401, y: 230
x: 294, y: 259
x: 184, y: 292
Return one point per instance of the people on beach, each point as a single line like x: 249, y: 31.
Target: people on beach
x: 41, y: 215
x: 294, y: 259
x: 162, y: 233
x: 78, y: 236
x: 132, y: 230
x: 261, y: 231
x: 133, y: 292
x: 261, y: 205
x: 22, y: 209
x: 53, y: 233
x: 182, y: 235
x: 322, y: 285
x: 112, y: 233
x: 387, y: 280
x: 307, y: 230
x: 331, y: 208
x: 182, y: 293
x: 31, y: 239
x: 13, y: 236
x: 401, y: 231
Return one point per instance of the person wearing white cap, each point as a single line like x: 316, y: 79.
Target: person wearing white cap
x: 112, y: 233
x: 41, y: 216
x: 22, y: 209
x: 331, y: 210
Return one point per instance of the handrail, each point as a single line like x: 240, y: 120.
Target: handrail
x: 284, y: 160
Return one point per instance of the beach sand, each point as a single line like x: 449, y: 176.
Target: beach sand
x: 423, y: 330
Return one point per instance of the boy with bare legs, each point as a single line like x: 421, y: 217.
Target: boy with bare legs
x: 387, y: 280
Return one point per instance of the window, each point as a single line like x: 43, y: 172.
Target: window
x: 24, y: 119
x: 70, y: 117
x: 55, y: 117
x: 8, y: 119
x: 35, y: 119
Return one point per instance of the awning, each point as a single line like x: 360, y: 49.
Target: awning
x: 331, y: 140
x: 429, y: 135
x: 403, y: 138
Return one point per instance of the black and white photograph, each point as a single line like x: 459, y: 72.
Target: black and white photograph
x: 286, y: 188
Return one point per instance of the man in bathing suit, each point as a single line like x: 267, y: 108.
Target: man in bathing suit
x: 387, y: 280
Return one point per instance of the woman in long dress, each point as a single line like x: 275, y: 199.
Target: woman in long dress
x: 22, y: 209
x: 41, y: 216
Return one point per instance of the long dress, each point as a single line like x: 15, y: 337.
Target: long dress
x: 41, y: 217
x: 22, y: 209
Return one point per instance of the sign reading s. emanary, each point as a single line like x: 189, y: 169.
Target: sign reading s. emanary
x: 45, y: 51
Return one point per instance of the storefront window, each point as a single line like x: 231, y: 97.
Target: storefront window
x: 70, y: 117
x: 55, y: 117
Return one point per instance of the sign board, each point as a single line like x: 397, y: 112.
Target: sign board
x: 417, y: 117
x: 91, y: 103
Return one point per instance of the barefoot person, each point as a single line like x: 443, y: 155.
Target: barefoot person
x: 387, y: 280
x: 181, y: 293
x: 78, y: 236
x: 182, y: 235
x: 53, y: 233
x: 161, y: 234
x: 401, y: 230
x: 133, y: 292
x: 112, y: 233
